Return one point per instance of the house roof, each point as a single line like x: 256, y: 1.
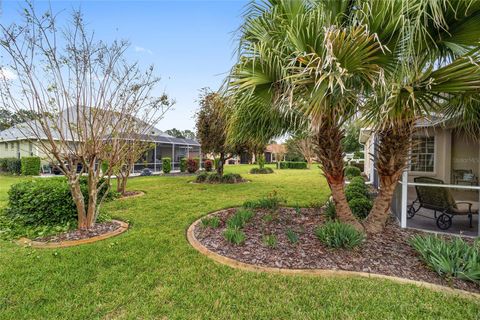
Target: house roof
x: 32, y: 130
x: 276, y: 148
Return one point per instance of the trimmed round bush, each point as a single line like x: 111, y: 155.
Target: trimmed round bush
x: 183, y: 165
x: 208, y: 165
x: 166, y: 165
x: 30, y: 166
x: 335, y: 234
x: 359, y: 181
x: 362, y: 189
x: 351, y: 171
x: 263, y: 170
x: 360, y: 207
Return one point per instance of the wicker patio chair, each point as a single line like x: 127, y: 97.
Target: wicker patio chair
x: 440, y: 200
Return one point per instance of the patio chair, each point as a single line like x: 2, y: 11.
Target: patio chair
x: 464, y: 176
x: 440, y: 200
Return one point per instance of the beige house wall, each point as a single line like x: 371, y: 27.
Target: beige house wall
x: 22, y: 148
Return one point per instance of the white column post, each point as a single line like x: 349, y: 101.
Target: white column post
x: 200, y: 160
x: 403, y: 216
x: 173, y: 156
x: 188, y: 151
x: 155, y: 158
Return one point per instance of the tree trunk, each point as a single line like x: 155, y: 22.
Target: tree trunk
x: 79, y: 202
x: 330, y: 154
x: 92, y: 202
x: 392, y: 156
x: 122, y: 179
x: 221, y: 163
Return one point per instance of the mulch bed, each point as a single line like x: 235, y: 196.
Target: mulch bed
x: 128, y: 194
x: 97, y: 230
x: 388, y: 253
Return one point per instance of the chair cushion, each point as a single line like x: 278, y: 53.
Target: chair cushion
x: 462, y: 208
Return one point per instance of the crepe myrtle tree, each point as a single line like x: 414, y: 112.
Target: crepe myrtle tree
x: 212, y: 121
x: 86, y: 95
x: 302, y: 143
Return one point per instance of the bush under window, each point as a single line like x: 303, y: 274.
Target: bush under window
x: 30, y: 166
x: 166, y: 165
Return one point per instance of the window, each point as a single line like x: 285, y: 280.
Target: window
x: 6, y: 146
x: 12, y: 145
x: 423, y: 154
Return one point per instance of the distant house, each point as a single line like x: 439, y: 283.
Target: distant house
x: 275, y: 152
x: 440, y: 151
x: 20, y: 141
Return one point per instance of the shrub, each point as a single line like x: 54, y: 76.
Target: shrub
x: 270, y: 240
x: 261, y: 161
x: 261, y: 170
x: 30, y: 166
x: 360, y: 207
x: 216, y: 161
x: 351, y: 171
x: 166, y: 165
x: 231, y: 178
x: 292, y: 236
x: 45, y: 201
x: 104, y: 166
x: 240, y: 218
x: 192, y: 165
x: 454, y: 258
x: 330, y: 211
x: 11, y: 165
x: 354, y: 188
x: 358, y: 181
x: 272, y: 202
x: 214, y: 178
x: 146, y: 172
x: 359, y: 155
x: 202, y: 177
x: 293, y: 165
x: 234, y: 236
x: 212, y: 222
x: 208, y: 165
x: 183, y: 165
x: 338, y: 235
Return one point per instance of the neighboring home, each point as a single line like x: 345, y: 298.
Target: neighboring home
x: 443, y: 152
x: 19, y: 141
x: 273, y: 153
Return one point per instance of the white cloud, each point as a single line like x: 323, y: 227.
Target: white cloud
x: 8, y: 74
x: 142, y: 49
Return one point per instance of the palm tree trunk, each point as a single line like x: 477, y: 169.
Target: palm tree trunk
x: 393, y: 148
x: 330, y: 154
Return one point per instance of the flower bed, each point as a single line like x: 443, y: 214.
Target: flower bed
x: 268, y: 243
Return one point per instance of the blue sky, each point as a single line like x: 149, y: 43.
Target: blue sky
x: 191, y: 43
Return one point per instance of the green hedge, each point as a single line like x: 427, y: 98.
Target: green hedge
x: 166, y: 165
x: 293, y: 165
x: 45, y: 201
x: 183, y: 164
x: 358, y: 199
x: 30, y: 166
x: 11, y: 165
x: 351, y: 172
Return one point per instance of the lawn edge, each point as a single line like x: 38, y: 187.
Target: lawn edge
x: 313, y: 272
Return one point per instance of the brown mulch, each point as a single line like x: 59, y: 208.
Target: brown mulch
x: 97, y: 230
x: 388, y: 253
x: 130, y: 194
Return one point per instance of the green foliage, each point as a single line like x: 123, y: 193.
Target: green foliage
x: 352, y: 189
x: 335, y: 234
x: 264, y: 170
x: 351, y: 171
x: 104, y: 166
x: 212, y: 222
x: 11, y: 166
x: 232, y: 178
x: 293, y: 165
x: 166, y: 165
x: 329, y: 210
x: 272, y: 202
x: 192, y: 165
x: 358, y: 181
x: 30, y: 166
x: 183, y: 165
x: 240, y: 218
x: 45, y: 202
x: 213, y: 178
x: 270, y: 240
x: 261, y: 161
x: 292, y: 236
x: 202, y: 177
x: 208, y: 165
x: 234, y: 236
x: 205, y: 177
x: 454, y: 258
x: 216, y: 162
x: 360, y: 207
x: 359, y: 155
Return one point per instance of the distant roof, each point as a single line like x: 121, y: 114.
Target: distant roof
x: 276, y: 148
x: 27, y: 130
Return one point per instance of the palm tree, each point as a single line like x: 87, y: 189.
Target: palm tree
x: 301, y: 65
x: 432, y: 67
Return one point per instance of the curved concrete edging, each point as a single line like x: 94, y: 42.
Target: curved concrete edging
x: 312, y: 272
x: 63, y: 244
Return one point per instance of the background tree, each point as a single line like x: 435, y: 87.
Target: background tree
x: 9, y: 119
x: 85, y: 93
x: 212, y: 127
x: 302, y: 144
x: 350, y: 142
x: 183, y: 134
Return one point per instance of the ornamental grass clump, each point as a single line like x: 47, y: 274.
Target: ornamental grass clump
x: 234, y: 236
x: 271, y: 202
x: 450, y: 259
x: 240, y: 218
x: 335, y: 234
x: 211, y: 222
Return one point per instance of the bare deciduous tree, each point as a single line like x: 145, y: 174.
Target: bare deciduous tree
x: 87, y: 96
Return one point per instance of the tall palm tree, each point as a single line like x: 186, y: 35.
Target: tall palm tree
x: 432, y: 67
x: 301, y: 65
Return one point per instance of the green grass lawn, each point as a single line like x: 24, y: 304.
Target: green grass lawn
x: 151, y: 272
